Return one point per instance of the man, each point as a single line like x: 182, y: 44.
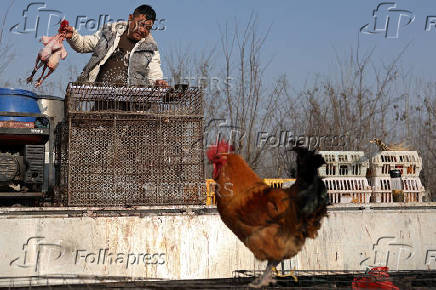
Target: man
x: 123, y: 52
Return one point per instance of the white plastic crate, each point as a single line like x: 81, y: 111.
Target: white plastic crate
x: 343, y: 164
x: 408, y: 162
x: 413, y: 189
x: 348, y: 189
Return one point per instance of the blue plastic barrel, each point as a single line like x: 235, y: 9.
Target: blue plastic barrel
x: 20, y: 101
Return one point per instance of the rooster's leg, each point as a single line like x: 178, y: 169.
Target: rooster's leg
x: 41, y: 79
x: 38, y: 59
x: 50, y: 70
x: 43, y: 71
x: 35, y: 69
x: 266, y: 277
x: 49, y: 73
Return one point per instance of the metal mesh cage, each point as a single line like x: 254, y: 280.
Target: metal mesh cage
x: 133, y: 146
x: 84, y: 99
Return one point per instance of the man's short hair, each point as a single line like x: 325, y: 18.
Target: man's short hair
x: 146, y: 10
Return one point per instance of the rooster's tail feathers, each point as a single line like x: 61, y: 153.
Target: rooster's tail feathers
x: 312, y: 193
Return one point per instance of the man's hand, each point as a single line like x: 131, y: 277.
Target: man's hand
x: 161, y: 83
x: 68, y: 32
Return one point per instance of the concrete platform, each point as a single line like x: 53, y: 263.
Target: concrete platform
x: 54, y: 246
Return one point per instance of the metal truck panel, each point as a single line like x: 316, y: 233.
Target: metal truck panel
x: 192, y: 243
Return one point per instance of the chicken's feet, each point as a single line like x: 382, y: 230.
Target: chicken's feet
x: 291, y: 274
x: 42, y: 78
x: 262, y: 281
x: 30, y: 78
x: 38, y: 65
x: 266, y: 278
x: 39, y: 83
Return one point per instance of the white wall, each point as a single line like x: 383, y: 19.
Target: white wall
x: 190, y: 245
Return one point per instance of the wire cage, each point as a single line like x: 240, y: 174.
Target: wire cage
x: 376, y: 278
x: 132, y: 146
x: 92, y: 100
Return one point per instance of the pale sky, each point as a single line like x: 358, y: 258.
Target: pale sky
x: 305, y: 38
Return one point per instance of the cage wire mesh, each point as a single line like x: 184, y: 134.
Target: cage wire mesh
x: 131, y: 146
x: 349, y: 279
x: 304, y: 279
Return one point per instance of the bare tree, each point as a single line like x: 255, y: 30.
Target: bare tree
x: 418, y: 117
x: 365, y: 99
x: 250, y: 104
x: 235, y: 90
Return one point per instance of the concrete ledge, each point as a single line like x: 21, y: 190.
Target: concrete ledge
x: 10, y: 212
x: 191, y: 242
x: 48, y: 212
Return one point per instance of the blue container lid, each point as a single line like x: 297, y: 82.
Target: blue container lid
x: 20, y: 101
x: 20, y: 92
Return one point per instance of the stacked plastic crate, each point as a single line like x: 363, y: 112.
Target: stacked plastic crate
x: 344, y: 175
x: 408, y: 163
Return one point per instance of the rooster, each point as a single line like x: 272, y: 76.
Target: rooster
x: 272, y: 223
x: 50, y: 54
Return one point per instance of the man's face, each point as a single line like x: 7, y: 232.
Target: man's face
x: 139, y: 27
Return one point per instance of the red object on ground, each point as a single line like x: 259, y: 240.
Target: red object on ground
x: 376, y: 278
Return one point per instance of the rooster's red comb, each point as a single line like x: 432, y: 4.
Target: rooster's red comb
x: 221, y: 147
x: 64, y: 24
